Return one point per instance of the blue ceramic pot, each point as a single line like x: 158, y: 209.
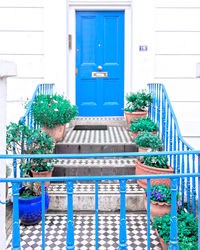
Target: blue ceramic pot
x: 30, y: 210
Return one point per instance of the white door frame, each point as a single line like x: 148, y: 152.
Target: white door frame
x: 60, y: 62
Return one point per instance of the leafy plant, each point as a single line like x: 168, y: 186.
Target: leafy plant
x: 26, y: 140
x: 32, y: 190
x: 135, y: 120
x: 157, y: 161
x: 138, y: 101
x: 161, y: 193
x: 187, y: 229
x: 52, y: 110
x: 144, y: 124
x: 148, y: 140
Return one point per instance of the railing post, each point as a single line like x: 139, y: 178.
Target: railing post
x: 199, y: 202
x: 122, y: 229
x: 173, y: 228
x: 70, y: 219
x: 16, y: 227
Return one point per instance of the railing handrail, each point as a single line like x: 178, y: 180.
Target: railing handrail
x: 173, y: 115
x: 98, y: 155
x: 99, y: 178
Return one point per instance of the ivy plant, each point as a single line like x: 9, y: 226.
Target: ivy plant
x: 148, y: 140
x: 144, y: 124
x: 138, y: 101
x: 23, y: 139
x: 187, y: 229
x: 156, y: 161
x: 161, y: 193
x: 52, y: 110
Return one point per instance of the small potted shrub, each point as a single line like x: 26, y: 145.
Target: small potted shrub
x: 187, y: 230
x: 31, y: 141
x: 30, y: 203
x: 143, y: 125
x: 160, y: 200
x: 147, y: 142
x: 52, y: 112
x: 137, y: 104
x: 152, y: 165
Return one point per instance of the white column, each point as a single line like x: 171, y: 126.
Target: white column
x: 7, y: 69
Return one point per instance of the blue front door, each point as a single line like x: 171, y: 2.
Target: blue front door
x: 100, y: 63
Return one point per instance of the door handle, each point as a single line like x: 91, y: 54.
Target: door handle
x: 100, y: 68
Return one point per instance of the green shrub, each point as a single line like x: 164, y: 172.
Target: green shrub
x: 138, y: 101
x: 187, y: 229
x: 144, y: 124
x: 156, y: 161
x: 148, y: 140
x: 52, y: 110
x: 30, y: 141
x: 160, y: 193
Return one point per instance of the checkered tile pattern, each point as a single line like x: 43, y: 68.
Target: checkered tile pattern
x: 84, y: 233
x: 90, y: 188
x: 112, y: 162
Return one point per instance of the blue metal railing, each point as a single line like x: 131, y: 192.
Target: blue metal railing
x: 162, y: 113
x: 122, y: 179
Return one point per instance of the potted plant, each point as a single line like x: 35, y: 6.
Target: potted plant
x: 30, y: 203
x: 137, y: 104
x: 147, y: 142
x: 160, y: 200
x: 187, y: 230
x: 143, y: 125
x: 52, y: 112
x: 31, y: 141
x: 152, y: 165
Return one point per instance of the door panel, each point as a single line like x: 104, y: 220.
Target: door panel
x: 100, y: 42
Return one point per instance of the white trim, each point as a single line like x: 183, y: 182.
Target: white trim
x: 127, y: 45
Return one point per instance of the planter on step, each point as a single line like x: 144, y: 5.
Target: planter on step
x: 135, y: 134
x: 158, y: 209
x: 30, y: 209
x: 57, y: 133
x: 142, y: 169
x: 43, y: 174
x: 134, y: 115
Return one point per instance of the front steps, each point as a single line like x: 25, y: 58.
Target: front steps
x: 116, y: 138
x: 84, y: 197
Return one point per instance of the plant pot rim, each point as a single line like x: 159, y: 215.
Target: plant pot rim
x: 45, y: 172
x: 160, y: 203
x: 134, y: 112
x: 150, y: 168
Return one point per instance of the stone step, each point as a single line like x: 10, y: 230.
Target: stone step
x: 95, y: 167
x: 119, y: 121
x: 114, y: 139
x: 84, y: 197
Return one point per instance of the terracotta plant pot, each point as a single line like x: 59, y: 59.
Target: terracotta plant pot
x: 158, y: 209
x: 134, y: 115
x: 43, y: 174
x: 57, y: 133
x: 135, y: 134
x: 142, y: 169
x: 164, y: 246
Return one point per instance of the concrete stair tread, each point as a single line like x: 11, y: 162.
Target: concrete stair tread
x: 89, y: 188
x: 97, y: 162
x: 112, y: 136
x: 111, y: 121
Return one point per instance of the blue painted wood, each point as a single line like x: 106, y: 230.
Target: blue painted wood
x: 43, y: 216
x: 122, y: 225
x: 148, y: 216
x: 16, y: 227
x: 173, y: 245
x: 183, y: 179
x: 96, y: 216
x: 188, y: 182
x: 70, y: 218
x: 100, y: 42
x: 194, y: 193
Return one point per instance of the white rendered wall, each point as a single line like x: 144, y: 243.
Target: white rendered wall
x: 177, y: 51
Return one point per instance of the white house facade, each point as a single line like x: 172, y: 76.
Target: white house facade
x: 160, y: 45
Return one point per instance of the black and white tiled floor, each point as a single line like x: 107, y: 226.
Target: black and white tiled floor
x: 84, y: 229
